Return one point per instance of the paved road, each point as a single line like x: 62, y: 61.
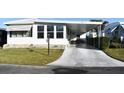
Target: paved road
x: 86, y: 56
x: 22, y: 69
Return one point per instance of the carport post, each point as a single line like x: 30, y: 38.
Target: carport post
x: 99, y: 35
x: 48, y: 40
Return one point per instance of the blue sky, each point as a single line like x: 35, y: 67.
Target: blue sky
x: 2, y: 20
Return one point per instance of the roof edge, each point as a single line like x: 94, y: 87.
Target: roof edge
x: 33, y: 21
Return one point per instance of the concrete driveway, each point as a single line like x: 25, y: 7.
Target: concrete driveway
x: 86, y: 56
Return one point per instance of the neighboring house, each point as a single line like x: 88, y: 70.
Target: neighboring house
x: 3, y: 36
x: 33, y: 32
x: 91, y: 34
x: 114, y: 30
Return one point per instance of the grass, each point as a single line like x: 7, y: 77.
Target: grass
x: 117, y: 53
x: 28, y: 56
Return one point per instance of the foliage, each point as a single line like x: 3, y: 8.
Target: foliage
x: 104, y: 42
x: 94, y: 20
x: 115, y: 39
x: 116, y: 45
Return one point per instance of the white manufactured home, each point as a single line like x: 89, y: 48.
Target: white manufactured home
x: 34, y: 32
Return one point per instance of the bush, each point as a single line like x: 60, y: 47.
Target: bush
x: 115, y: 45
x: 90, y: 41
x: 116, y: 39
x: 105, y: 42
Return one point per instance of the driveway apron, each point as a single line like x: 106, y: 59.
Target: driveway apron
x: 87, y: 56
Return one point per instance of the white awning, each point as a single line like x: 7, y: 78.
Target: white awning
x: 19, y: 28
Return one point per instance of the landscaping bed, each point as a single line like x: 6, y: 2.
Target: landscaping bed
x: 29, y: 56
x: 117, y: 53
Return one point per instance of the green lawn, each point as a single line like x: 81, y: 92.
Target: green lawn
x: 117, y: 53
x: 28, y: 56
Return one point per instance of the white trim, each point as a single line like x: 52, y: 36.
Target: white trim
x: 32, y: 21
x: 55, y: 32
x: 45, y: 32
x: 34, y: 31
x: 64, y: 32
x: 113, y: 29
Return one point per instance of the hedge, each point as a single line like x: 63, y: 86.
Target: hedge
x: 116, y: 45
x: 104, y: 42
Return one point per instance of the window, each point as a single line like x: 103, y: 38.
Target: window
x: 59, y: 34
x: 59, y: 28
x: 51, y: 34
x: 40, y: 28
x: 59, y: 31
x: 50, y: 30
x: 30, y: 33
x: 40, y: 35
x: 40, y: 31
x: 20, y: 34
x: 13, y: 34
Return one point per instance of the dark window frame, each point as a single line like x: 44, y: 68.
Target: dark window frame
x: 59, y: 36
x: 22, y: 33
x: 50, y: 28
x: 51, y: 36
x: 59, y: 28
x: 42, y: 34
x: 40, y: 28
x: 60, y: 32
x: 40, y: 31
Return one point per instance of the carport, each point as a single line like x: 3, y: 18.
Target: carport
x: 78, y: 28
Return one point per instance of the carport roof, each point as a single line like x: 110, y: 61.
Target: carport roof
x: 33, y: 21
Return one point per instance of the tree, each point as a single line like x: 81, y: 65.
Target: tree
x: 95, y: 20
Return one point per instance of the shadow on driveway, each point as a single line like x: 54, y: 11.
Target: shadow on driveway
x: 86, y: 46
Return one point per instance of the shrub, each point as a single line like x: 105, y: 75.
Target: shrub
x: 90, y: 41
x: 116, y: 39
x: 96, y: 42
x: 105, y: 42
x: 115, y: 45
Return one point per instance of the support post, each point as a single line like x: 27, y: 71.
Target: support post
x: 48, y: 40
x: 65, y: 33
x: 55, y: 33
x: 99, y: 36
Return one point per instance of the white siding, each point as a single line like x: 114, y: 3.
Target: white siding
x: 34, y: 40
